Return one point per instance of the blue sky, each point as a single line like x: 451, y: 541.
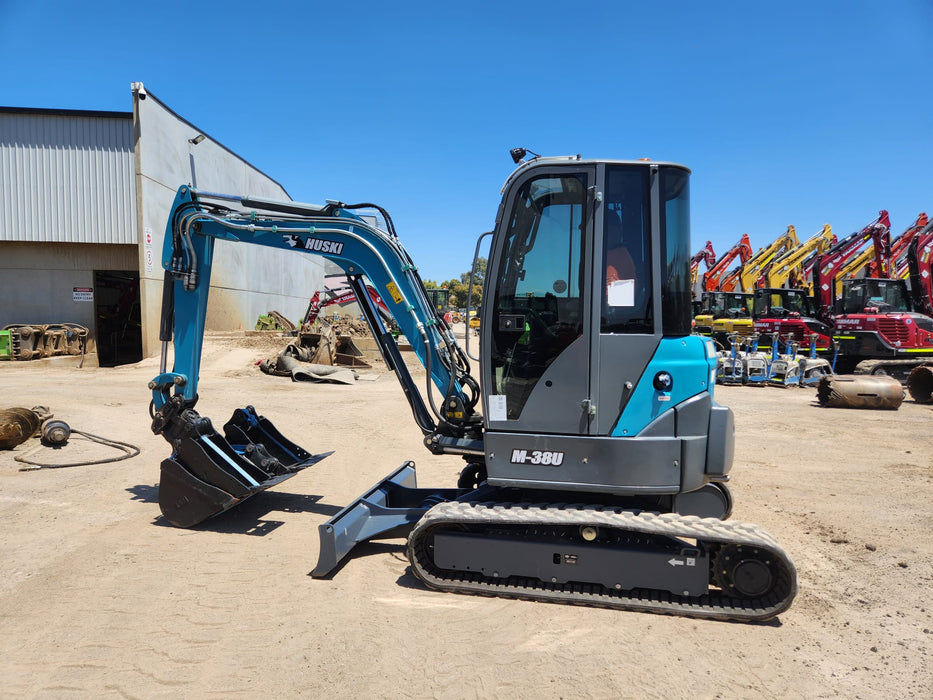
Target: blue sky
x: 798, y: 113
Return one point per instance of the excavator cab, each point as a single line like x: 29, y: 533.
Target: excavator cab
x: 725, y: 316
x: 783, y: 303
x: 587, y: 297
x: 789, y: 316
x: 871, y: 295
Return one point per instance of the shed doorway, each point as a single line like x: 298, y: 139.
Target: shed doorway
x: 118, y: 318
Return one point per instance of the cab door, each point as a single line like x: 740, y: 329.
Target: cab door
x: 536, y: 313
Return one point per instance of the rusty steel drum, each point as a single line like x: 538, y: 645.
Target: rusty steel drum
x: 920, y: 384
x: 860, y: 391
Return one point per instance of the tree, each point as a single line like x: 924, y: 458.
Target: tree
x: 479, y: 275
x: 459, y: 287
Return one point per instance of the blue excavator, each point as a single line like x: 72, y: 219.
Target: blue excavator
x: 596, y: 459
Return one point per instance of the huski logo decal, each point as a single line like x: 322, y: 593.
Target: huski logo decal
x: 318, y: 245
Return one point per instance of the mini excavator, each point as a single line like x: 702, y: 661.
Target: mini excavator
x: 595, y: 455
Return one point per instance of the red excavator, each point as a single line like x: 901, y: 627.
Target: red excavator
x: 919, y: 262
x: 877, y: 327
x: 792, y: 314
x: 714, y: 306
x: 827, y: 266
x: 343, y: 295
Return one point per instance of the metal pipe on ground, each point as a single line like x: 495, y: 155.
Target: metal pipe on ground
x: 860, y: 391
x: 920, y: 384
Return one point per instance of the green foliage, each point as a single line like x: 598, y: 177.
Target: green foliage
x: 459, y: 287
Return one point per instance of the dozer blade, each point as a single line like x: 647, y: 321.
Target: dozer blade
x: 210, y: 473
x: 391, y: 508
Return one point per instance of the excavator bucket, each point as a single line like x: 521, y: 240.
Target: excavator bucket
x: 210, y: 473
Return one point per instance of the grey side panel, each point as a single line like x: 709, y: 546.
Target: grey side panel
x: 621, y: 359
x: 693, y: 415
x: 671, y: 455
x: 692, y: 424
x: 598, y: 464
x: 721, y: 449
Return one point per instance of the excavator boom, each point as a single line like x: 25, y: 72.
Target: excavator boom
x: 705, y: 255
x: 920, y: 266
x: 791, y: 263
x: 902, y: 243
x: 886, y: 260
x: 827, y: 266
x: 713, y: 276
x: 746, y: 276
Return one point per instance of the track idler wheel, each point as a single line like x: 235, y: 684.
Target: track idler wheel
x: 745, y: 572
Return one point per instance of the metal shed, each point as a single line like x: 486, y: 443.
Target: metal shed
x: 83, y: 201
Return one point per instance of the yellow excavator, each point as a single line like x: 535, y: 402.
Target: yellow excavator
x: 745, y: 277
x: 791, y: 264
x: 724, y: 316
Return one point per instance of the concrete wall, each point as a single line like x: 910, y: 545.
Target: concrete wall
x: 39, y: 279
x: 247, y: 280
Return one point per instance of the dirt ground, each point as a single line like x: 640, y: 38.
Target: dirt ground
x: 100, y: 597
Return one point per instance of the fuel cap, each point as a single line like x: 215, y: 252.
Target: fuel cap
x: 663, y: 381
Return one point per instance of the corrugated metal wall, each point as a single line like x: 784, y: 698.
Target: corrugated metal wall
x: 67, y: 178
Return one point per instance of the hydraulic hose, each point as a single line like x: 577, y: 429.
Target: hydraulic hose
x: 126, y: 448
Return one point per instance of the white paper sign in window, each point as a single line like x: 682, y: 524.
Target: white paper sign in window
x: 622, y: 293
x: 497, y: 407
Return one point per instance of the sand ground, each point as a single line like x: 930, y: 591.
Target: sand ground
x: 100, y: 597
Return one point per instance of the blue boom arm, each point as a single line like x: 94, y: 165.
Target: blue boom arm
x: 198, y: 219
x: 211, y: 471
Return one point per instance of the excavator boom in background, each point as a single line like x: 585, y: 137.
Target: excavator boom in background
x: 791, y: 265
x: 705, y: 255
x: 745, y: 277
x: 322, y: 299
x: 828, y: 266
x: 596, y: 457
x: 717, y: 314
x: 713, y: 277
x: 920, y: 266
x: 901, y: 244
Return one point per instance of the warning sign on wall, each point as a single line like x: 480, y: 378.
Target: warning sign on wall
x: 84, y: 294
x: 147, y: 250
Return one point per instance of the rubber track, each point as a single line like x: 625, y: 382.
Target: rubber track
x: 715, y: 605
x: 895, y: 367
